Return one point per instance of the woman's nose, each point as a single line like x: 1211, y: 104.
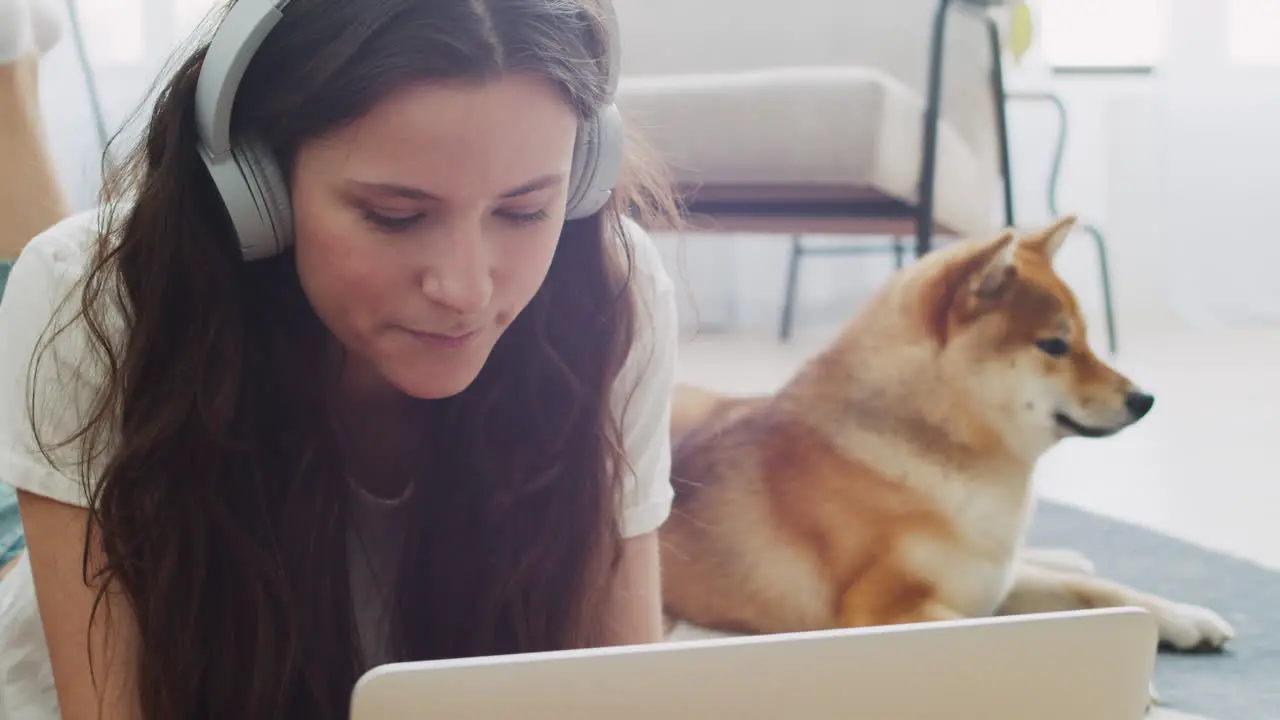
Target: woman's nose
x: 458, y: 276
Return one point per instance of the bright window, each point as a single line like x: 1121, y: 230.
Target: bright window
x: 1104, y: 34
x: 191, y: 12
x: 132, y: 32
x: 1253, y: 32
x: 113, y: 31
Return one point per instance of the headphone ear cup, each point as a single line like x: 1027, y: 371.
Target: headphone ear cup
x: 597, y: 164
x: 270, y: 195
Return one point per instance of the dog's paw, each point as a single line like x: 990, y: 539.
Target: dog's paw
x: 1061, y: 559
x: 1190, y: 627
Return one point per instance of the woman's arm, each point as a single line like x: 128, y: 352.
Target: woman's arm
x: 105, y: 690
x: 645, y: 387
x: 634, y: 614
x: 30, y: 197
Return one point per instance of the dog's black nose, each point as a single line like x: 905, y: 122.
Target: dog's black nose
x: 1139, y: 403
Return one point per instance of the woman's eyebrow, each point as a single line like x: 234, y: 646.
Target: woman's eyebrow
x: 540, y: 183
x: 413, y: 193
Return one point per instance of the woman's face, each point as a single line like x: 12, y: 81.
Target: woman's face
x: 426, y: 226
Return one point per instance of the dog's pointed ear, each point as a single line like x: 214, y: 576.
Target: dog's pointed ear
x: 1048, y: 241
x: 971, y: 285
x: 996, y: 267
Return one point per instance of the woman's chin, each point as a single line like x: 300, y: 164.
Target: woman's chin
x: 423, y: 373
x: 436, y: 384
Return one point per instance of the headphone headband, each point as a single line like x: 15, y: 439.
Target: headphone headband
x: 251, y: 183
x: 238, y: 37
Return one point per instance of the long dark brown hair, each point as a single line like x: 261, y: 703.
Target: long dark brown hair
x: 220, y: 501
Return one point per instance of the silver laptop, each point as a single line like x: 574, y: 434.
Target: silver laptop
x: 1091, y: 665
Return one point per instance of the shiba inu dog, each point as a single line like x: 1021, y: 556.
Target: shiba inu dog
x: 889, y: 481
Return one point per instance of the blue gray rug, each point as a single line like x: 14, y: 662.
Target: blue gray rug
x: 1242, y: 683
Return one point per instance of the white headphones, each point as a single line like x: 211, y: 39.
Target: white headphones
x: 251, y: 183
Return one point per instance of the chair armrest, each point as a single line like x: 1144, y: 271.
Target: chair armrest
x: 675, y: 37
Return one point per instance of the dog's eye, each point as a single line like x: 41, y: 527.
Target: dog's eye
x: 1055, y: 347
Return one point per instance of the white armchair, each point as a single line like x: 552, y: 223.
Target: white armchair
x: 818, y: 116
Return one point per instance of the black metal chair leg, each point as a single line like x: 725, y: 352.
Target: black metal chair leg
x: 789, y: 303
x: 1105, y: 270
x: 929, y: 148
x: 899, y: 253
x: 924, y: 238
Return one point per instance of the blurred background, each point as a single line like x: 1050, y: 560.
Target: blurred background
x: 806, y: 124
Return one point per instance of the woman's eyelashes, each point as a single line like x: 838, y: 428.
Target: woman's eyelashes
x: 526, y: 218
x: 394, y: 223
x: 399, y: 223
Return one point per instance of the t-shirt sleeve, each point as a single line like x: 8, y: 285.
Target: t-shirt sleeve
x: 49, y: 378
x: 643, y: 393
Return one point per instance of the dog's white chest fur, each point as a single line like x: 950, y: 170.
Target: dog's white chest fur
x: 973, y: 575
x: 973, y: 570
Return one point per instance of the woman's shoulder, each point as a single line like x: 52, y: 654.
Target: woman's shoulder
x: 58, y: 255
x: 41, y: 302
x: 648, y: 275
x: 648, y: 260
x: 643, y: 390
x: 652, y: 352
x: 46, y: 357
x: 72, y: 237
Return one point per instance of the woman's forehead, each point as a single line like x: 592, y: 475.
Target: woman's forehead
x: 487, y: 137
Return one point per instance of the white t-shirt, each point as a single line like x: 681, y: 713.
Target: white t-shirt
x: 50, y: 267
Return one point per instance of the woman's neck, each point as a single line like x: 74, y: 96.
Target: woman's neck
x: 382, y: 429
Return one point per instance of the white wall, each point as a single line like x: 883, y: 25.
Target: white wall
x: 1223, y: 173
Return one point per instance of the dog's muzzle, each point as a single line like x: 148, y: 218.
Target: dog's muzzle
x: 1137, y: 404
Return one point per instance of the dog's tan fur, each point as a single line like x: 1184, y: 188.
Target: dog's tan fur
x: 889, y: 480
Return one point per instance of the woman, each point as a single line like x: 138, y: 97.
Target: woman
x: 435, y: 426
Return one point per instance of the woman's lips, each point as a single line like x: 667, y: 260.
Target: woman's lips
x: 445, y: 341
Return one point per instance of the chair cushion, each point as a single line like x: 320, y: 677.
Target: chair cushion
x: 853, y: 127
